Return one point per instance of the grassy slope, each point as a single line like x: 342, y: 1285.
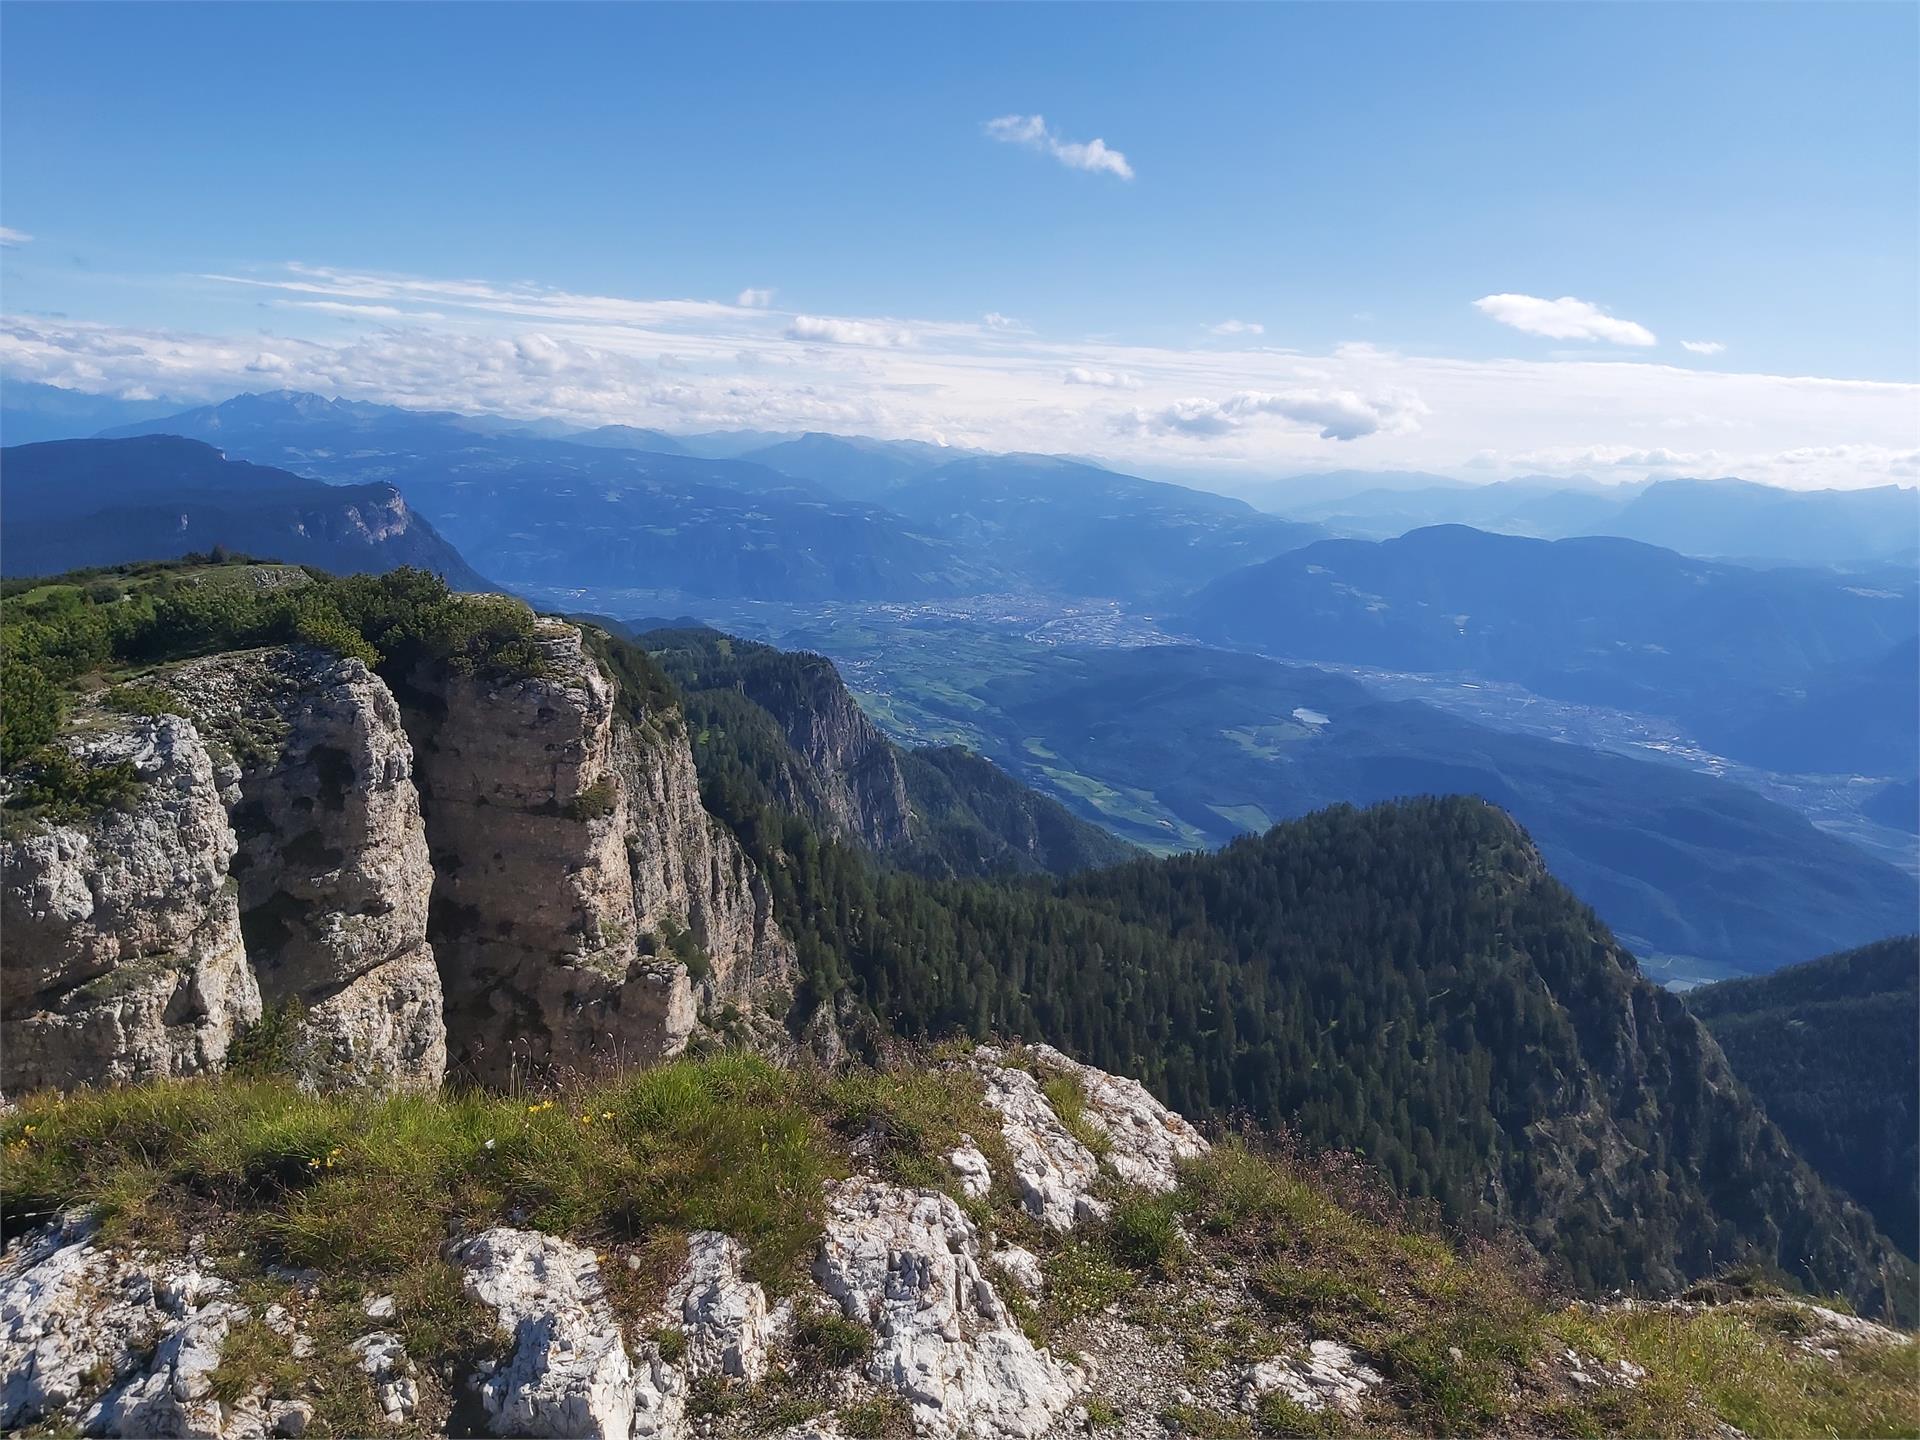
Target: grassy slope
x: 366, y: 1190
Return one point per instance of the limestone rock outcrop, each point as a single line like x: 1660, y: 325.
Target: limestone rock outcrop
x: 567, y: 1372
x: 728, y: 1326
x: 512, y: 875
x: 1146, y: 1140
x: 907, y: 1263
x: 689, y: 874
x: 332, y: 864
x: 853, y: 775
x: 111, y: 1344
x: 573, y: 862
x: 1054, y: 1173
x: 1328, y: 1377
x: 124, y: 952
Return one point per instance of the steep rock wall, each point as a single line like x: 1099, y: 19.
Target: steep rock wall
x: 332, y: 865
x: 571, y: 855
x: 855, y: 773
x: 503, y: 874
x: 688, y: 870
x: 124, y: 958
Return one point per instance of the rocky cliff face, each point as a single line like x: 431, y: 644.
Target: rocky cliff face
x: 572, y: 855
x: 504, y: 874
x: 855, y: 770
x: 124, y: 958
x: 689, y: 874
x: 332, y: 866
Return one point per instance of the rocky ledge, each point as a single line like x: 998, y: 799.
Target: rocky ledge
x: 1080, y: 1260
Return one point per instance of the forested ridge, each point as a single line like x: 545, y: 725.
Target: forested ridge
x: 1407, y: 981
x: 1831, y: 1048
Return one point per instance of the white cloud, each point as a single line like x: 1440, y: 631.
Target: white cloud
x: 994, y: 320
x: 1336, y: 414
x: 10, y: 236
x: 1032, y: 131
x: 341, y: 307
x: 1237, y: 327
x: 755, y: 298
x: 1103, y: 379
x: 1562, y: 319
x: 1703, y: 347
x: 848, y: 332
x: 1619, y: 457
x: 530, y: 352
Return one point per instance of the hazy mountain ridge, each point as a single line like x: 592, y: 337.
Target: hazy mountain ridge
x: 79, y: 503
x: 1728, y: 517
x: 1729, y: 651
x: 527, y: 508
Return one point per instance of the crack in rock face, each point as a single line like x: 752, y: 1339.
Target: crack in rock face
x: 907, y: 1262
x: 724, y: 1316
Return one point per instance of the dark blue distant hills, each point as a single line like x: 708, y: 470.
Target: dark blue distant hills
x: 846, y: 519
x: 1791, y: 669
x: 74, y: 503
x: 1724, y: 518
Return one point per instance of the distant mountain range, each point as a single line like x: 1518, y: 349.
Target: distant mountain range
x: 1725, y: 518
x: 1787, y: 669
x: 31, y: 412
x: 72, y: 503
x: 1721, y: 518
x: 838, y: 522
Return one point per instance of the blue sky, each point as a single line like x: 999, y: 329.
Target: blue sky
x: 1351, y: 180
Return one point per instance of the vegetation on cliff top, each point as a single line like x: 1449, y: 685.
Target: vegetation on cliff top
x: 365, y: 1190
x: 61, y: 634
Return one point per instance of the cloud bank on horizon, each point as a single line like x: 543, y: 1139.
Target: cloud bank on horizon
x: 1235, y: 405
